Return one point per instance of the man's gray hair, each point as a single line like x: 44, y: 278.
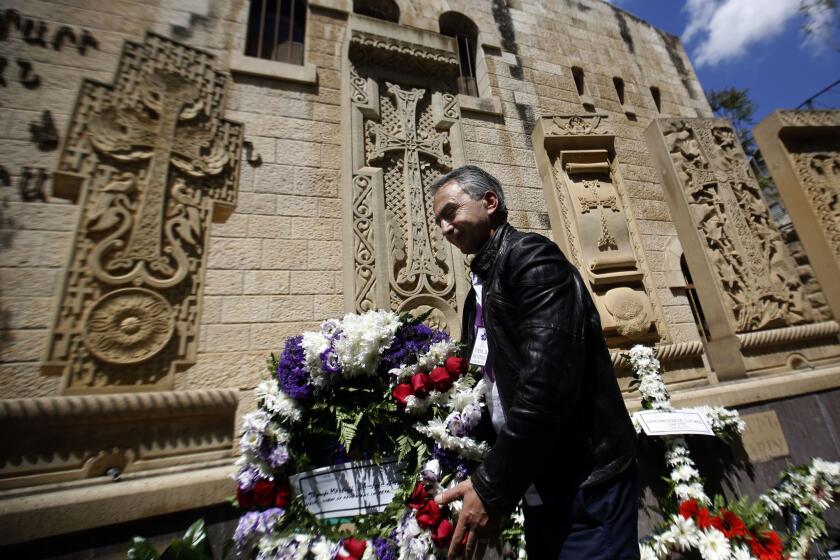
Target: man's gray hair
x: 475, y: 182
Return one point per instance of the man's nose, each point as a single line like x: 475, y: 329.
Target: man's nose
x: 445, y: 227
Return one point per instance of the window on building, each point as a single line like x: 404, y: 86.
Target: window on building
x: 380, y: 9
x: 694, y: 301
x: 465, y: 33
x: 657, y: 98
x: 619, y: 89
x: 276, y: 30
x: 577, y: 74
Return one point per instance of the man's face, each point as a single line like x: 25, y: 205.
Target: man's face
x: 464, y: 222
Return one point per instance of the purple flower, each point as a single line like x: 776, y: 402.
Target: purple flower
x: 254, y: 524
x: 246, y: 478
x: 384, y: 548
x: 329, y: 361
x: 409, y: 340
x: 278, y: 456
x: 291, y: 371
x: 455, y: 425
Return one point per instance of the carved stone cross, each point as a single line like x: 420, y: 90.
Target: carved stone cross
x: 169, y: 138
x: 152, y: 162
x: 403, y: 137
x: 596, y: 202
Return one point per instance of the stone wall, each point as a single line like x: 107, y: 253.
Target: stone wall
x: 275, y: 266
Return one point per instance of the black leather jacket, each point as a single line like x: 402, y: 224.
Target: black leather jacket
x: 566, y: 423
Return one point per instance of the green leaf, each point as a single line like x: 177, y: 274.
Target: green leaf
x: 196, y: 536
x: 141, y: 550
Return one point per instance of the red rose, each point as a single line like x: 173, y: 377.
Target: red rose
x: 263, y: 493
x: 729, y: 524
x: 704, y: 518
x: 442, y: 534
x: 421, y: 383
x: 688, y: 508
x: 284, y: 494
x: 355, y: 549
x: 245, y: 498
x: 429, y: 514
x: 767, y: 546
x: 456, y: 366
x: 402, y: 391
x: 418, y: 497
x: 441, y: 379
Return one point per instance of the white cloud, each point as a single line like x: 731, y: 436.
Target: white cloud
x: 726, y: 28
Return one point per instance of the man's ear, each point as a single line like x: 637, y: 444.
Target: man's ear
x: 491, y: 200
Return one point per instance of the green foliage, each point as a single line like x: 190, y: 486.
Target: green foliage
x: 193, y: 546
x: 735, y: 104
x: 822, y: 21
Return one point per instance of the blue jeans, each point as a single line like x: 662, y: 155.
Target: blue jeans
x: 593, y: 523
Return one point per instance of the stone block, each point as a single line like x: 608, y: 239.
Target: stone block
x: 241, y: 370
x: 321, y: 229
x: 226, y: 338
x: 235, y: 226
x: 324, y: 255
x: 25, y: 381
x: 28, y: 282
x: 270, y: 227
x: 257, y: 203
x: 312, y: 282
x: 223, y: 282
x: 291, y: 308
x: 244, y: 309
x: 270, y: 337
x: 23, y: 345
x: 26, y: 313
x: 284, y: 254
x: 234, y: 253
x: 297, y: 205
x: 276, y: 179
x: 267, y: 282
x: 317, y: 182
x: 297, y: 152
x: 329, y: 307
x: 329, y: 208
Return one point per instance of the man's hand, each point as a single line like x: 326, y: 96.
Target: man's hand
x: 475, y: 528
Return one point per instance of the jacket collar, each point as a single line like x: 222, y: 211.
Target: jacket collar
x: 486, y: 256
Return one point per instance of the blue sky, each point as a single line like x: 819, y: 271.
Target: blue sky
x: 755, y: 44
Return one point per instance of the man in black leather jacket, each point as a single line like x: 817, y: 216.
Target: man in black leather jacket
x: 564, y: 439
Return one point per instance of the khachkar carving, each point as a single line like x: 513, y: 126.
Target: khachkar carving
x: 591, y: 223
x: 403, y: 137
x: 802, y: 150
x: 152, y: 162
x: 751, y: 266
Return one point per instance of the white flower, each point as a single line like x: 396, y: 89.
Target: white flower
x: 684, y: 473
x: 276, y: 401
x: 362, y: 340
x: 682, y: 533
x: 414, y: 405
x: 741, y: 552
x: 466, y: 447
x: 713, y: 545
x: 313, y: 344
x: 646, y: 553
x: 256, y: 421
x: 431, y: 471
x: 659, y: 545
x: 827, y: 469
x: 251, y: 441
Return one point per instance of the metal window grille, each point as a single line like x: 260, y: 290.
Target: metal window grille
x: 466, y: 62
x: 276, y: 30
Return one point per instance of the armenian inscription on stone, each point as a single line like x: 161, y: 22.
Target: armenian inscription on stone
x: 151, y: 162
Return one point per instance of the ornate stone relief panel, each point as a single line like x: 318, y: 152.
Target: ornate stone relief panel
x: 591, y: 219
x: 750, y: 264
x: 152, y: 163
x: 405, y: 133
x: 802, y: 151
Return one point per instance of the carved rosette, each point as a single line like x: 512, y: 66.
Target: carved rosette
x: 402, y: 141
x: 754, y: 271
x: 153, y: 163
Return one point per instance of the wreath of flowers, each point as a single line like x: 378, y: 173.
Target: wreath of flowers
x: 366, y: 387
x: 735, y: 530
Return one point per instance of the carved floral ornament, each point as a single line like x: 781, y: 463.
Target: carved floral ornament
x: 576, y: 125
x: 153, y: 162
x: 755, y: 273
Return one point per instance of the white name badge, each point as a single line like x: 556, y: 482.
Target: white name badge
x: 480, y: 348
x: 348, y: 489
x: 663, y: 423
